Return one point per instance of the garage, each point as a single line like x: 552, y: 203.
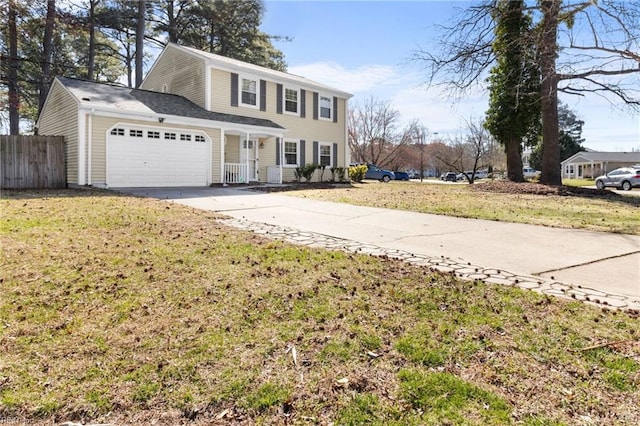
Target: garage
x: 139, y: 156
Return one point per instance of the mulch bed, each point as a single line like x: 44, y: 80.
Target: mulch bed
x: 300, y: 186
x: 508, y: 187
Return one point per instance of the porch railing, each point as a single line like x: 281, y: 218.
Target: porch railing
x: 274, y: 175
x: 236, y: 172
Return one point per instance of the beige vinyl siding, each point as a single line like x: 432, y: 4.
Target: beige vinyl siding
x: 184, y: 75
x: 232, y: 149
x: 216, y: 151
x: 60, y: 118
x: 298, y: 128
x: 267, y: 156
x: 102, y: 125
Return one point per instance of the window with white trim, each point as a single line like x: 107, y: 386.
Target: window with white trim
x: 326, y: 108
x: 200, y: 138
x: 170, y: 136
x: 153, y: 134
x: 135, y: 133
x: 291, y: 152
x: 324, y: 156
x: 185, y: 137
x: 249, y: 91
x: 291, y: 104
x: 118, y: 131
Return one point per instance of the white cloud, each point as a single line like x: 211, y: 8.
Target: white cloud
x: 362, y: 79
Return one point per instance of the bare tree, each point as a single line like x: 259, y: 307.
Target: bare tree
x: 467, y: 153
x: 373, y: 133
x: 585, y: 47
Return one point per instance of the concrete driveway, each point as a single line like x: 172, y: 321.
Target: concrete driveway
x: 608, y: 263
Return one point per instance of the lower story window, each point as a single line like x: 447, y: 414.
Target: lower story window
x: 325, y: 155
x: 291, y: 153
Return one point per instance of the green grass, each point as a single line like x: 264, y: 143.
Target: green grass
x: 443, y: 398
x: 115, y: 309
x: 579, y: 182
x: 608, y: 213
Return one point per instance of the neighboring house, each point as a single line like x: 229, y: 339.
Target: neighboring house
x: 591, y: 164
x: 198, y: 119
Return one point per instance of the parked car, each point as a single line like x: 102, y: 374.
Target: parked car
x: 529, y: 172
x: 479, y: 174
x: 375, y: 172
x: 622, y: 178
x: 449, y: 177
x: 401, y: 175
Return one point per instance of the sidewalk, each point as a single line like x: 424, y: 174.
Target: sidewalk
x: 590, y: 266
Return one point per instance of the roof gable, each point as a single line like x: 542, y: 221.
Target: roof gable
x: 105, y: 96
x: 236, y: 65
x: 596, y: 156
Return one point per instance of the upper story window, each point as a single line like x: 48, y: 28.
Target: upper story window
x: 326, y: 108
x: 249, y: 92
x: 291, y: 151
x: 291, y: 104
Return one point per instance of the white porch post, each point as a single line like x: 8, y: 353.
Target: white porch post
x: 246, y: 157
x: 222, y: 149
x: 280, y: 140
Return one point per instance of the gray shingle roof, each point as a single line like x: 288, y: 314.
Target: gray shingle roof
x: 133, y: 101
x: 595, y: 156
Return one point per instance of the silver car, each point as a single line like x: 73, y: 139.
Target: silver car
x: 622, y: 178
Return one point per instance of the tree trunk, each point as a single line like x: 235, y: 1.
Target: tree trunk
x: 549, y: 96
x: 92, y: 40
x: 47, y: 54
x: 140, y: 42
x: 172, y: 29
x: 513, y: 149
x: 14, y: 94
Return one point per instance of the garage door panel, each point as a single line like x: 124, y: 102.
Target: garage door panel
x: 135, y: 161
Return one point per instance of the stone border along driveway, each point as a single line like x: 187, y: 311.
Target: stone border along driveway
x: 442, y: 264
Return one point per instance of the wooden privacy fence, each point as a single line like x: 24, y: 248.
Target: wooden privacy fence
x: 32, y: 162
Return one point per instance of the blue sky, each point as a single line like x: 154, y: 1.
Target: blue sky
x: 364, y: 47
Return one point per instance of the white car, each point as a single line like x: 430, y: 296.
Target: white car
x: 529, y: 172
x: 480, y: 174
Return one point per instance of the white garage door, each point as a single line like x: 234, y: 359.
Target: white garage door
x: 138, y: 156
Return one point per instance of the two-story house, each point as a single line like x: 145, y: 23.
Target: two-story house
x: 198, y: 119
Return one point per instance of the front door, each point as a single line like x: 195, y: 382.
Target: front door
x: 248, y: 156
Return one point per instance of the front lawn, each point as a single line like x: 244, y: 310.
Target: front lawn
x: 124, y: 310
x: 532, y: 203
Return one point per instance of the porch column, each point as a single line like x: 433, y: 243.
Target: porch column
x: 280, y: 140
x: 246, y: 158
x: 223, y: 144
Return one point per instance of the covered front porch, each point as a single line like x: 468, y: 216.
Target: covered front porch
x: 251, y: 157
